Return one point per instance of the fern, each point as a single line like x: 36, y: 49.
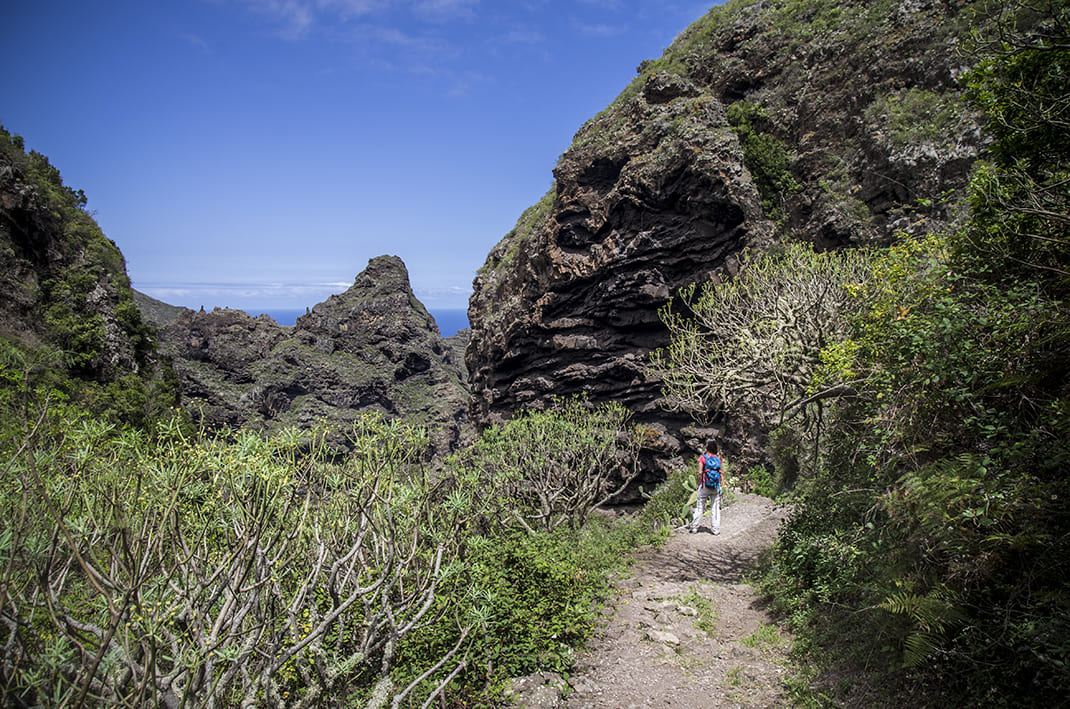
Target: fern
x: 931, y: 616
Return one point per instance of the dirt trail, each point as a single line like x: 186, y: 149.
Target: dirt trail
x: 685, y: 630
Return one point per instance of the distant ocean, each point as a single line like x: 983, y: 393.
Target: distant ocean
x: 449, y: 321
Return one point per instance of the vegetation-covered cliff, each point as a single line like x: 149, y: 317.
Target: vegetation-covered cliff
x: 837, y: 123
x: 372, y: 348
x: 69, y: 327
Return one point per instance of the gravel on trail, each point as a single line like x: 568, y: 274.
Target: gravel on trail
x: 685, y: 630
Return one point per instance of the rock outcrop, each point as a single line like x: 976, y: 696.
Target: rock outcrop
x: 65, y: 292
x: 373, y: 347
x: 836, y: 123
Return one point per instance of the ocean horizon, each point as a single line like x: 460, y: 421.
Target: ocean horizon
x: 449, y: 320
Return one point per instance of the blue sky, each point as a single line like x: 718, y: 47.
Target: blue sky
x: 257, y: 153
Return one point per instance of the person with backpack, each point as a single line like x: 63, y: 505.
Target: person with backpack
x: 709, y: 488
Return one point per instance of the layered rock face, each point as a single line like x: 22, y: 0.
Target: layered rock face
x: 374, y: 347
x: 568, y: 303
x: 841, y: 126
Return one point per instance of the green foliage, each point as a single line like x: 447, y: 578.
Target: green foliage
x: 100, y: 352
x: 173, y: 571
x: 941, y: 492
x: 32, y: 378
x: 765, y: 635
x: 762, y: 482
x: 541, y: 590
x: 705, y: 612
x: 346, y: 569
x: 545, y: 469
x: 939, y: 516
x: 667, y: 506
x: 914, y: 116
x: 766, y: 156
x: 752, y: 346
x: 1020, y: 198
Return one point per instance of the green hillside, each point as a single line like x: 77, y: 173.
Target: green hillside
x: 912, y: 395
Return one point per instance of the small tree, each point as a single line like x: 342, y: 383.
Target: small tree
x: 543, y: 469
x: 751, y: 346
x: 1020, y: 195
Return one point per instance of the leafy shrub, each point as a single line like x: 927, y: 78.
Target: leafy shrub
x: 545, y: 469
x: 766, y: 156
x: 535, y: 598
x: 667, y: 505
x: 762, y: 483
x: 752, y: 346
x: 174, y: 572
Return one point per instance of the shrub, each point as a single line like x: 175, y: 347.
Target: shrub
x: 545, y: 469
x: 766, y: 156
x: 173, y: 572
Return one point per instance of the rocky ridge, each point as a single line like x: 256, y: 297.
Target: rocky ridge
x: 839, y: 123
x: 372, y: 348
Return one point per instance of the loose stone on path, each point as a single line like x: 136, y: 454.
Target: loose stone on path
x: 650, y: 650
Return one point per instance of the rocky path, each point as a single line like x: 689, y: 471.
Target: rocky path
x: 685, y: 631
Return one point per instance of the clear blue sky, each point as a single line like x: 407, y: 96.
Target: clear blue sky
x: 256, y: 153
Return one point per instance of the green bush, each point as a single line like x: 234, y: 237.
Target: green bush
x: 930, y: 546
x: 766, y: 156
x: 762, y: 482
x: 545, y: 469
x: 276, y: 570
x: 667, y: 505
x: 149, y: 571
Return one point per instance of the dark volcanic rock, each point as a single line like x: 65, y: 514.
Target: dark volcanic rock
x: 658, y: 192
x: 374, y: 347
x: 569, y: 301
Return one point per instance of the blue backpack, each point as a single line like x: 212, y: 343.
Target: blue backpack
x: 711, y: 471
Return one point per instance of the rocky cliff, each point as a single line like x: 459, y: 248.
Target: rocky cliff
x: 70, y: 319
x: 64, y: 283
x: 839, y: 123
x: 66, y: 310
x: 373, y: 347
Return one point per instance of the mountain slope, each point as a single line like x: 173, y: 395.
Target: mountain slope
x: 839, y: 123
x: 374, y: 347
x: 67, y: 316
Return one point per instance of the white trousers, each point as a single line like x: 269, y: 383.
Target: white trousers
x: 711, y: 494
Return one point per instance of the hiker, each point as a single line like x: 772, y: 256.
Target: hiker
x: 709, y: 488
